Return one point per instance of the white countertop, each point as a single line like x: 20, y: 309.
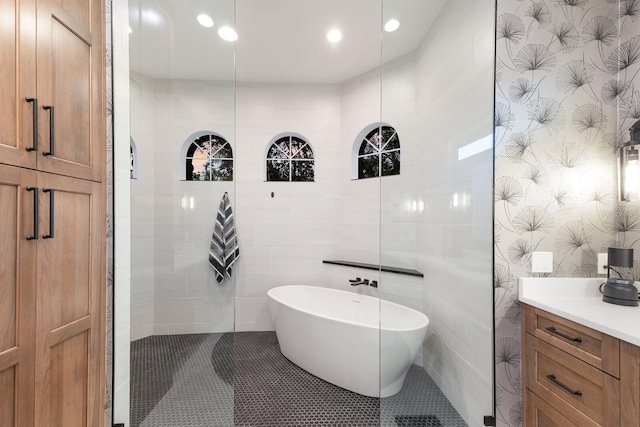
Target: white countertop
x: 580, y: 300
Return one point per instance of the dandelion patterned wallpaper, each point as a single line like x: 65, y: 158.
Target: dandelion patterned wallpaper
x: 567, y: 90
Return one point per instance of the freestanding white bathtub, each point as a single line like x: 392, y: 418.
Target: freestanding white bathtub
x: 357, y: 342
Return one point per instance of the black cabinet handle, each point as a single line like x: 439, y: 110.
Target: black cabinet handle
x: 553, y: 330
x: 34, y: 236
x: 34, y: 147
x: 51, y: 129
x: 553, y: 378
x: 51, y: 221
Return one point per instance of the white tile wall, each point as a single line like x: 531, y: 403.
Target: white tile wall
x: 454, y: 241
x: 360, y: 222
x: 173, y: 288
x: 284, y: 237
x: 142, y: 208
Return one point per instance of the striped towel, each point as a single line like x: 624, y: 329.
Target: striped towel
x: 224, y: 244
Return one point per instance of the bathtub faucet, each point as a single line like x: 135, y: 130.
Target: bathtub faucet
x: 359, y: 281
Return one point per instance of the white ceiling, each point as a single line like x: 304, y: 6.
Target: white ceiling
x: 279, y: 41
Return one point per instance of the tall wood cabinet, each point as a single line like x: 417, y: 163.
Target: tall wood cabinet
x: 52, y: 213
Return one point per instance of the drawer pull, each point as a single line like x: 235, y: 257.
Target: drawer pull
x: 553, y: 378
x: 553, y: 330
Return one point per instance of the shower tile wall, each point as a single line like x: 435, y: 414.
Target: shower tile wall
x: 284, y: 238
x: 173, y: 289
x: 142, y: 209
x: 360, y: 223
x: 454, y: 108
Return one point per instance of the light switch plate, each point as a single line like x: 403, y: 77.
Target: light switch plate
x: 542, y: 262
x: 603, y: 259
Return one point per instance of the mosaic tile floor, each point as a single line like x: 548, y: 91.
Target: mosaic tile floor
x: 242, y: 379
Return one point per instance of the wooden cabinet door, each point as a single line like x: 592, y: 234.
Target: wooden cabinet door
x: 70, y: 68
x: 630, y: 385
x: 17, y: 296
x: 69, y: 378
x: 17, y: 82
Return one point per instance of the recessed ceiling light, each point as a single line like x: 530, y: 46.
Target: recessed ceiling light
x: 205, y: 20
x: 334, y: 36
x: 228, y: 34
x: 391, y: 25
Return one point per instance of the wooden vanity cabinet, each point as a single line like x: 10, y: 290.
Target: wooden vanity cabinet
x: 630, y: 385
x: 575, y: 375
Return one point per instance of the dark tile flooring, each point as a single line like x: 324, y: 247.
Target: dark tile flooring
x: 242, y: 379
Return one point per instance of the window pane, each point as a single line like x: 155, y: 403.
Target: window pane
x: 296, y: 144
x: 302, y: 153
x: 391, y: 144
x: 203, y: 144
x: 222, y: 170
x: 216, y: 144
x: 368, y: 166
x: 278, y: 170
x: 199, y: 169
x: 391, y: 163
x: 386, y: 132
x: 192, y: 149
x: 277, y: 151
x: 366, y: 148
x: 202, y: 139
x: 283, y: 144
x: 375, y: 139
x: 223, y: 151
x: 303, y: 170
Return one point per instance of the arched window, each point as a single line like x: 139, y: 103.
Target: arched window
x: 133, y: 159
x: 378, y: 152
x: 207, y: 157
x: 290, y: 158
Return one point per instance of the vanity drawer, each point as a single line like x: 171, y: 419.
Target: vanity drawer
x: 589, y: 345
x: 575, y: 388
x: 538, y: 413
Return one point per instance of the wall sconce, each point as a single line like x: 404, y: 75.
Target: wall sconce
x: 630, y: 167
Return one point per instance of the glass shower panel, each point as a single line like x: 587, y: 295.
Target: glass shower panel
x: 182, y: 109
x: 296, y: 87
x: 436, y: 214
x: 204, y: 112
